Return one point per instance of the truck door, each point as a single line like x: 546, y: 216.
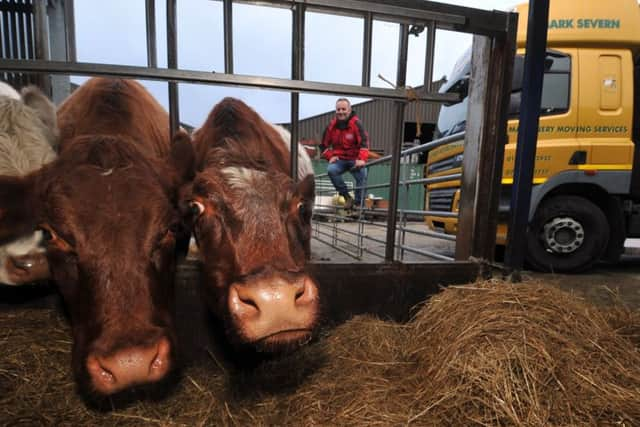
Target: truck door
x: 635, y: 175
x: 558, y: 118
x: 605, y: 115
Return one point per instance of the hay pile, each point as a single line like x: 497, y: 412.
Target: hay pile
x: 525, y: 356
x: 488, y: 354
x: 625, y: 322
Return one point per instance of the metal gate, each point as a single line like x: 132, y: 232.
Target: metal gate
x: 493, y: 49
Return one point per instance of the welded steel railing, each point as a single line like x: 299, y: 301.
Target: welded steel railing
x: 497, y: 27
x: 331, y: 216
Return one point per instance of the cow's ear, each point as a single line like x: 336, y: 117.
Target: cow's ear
x: 307, y: 188
x: 183, y: 156
x: 19, y: 207
x: 45, y: 110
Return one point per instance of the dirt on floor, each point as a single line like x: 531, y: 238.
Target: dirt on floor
x: 604, y: 285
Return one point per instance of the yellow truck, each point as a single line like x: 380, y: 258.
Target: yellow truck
x: 586, y: 188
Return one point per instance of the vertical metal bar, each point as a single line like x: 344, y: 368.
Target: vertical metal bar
x: 486, y: 135
x: 297, y: 73
x: 334, y: 234
x: 527, y: 134
x: 42, y: 40
x: 4, y: 45
x: 476, y: 116
x: 22, y: 36
x: 60, y: 84
x: 360, y: 235
x: 397, y: 146
x: 15, y: 34
x: 29, y: 33
x: 6, y: 35
x: 405, y: 200
x: 430, y: 56
x: 30, y: 18
x: 172, y: 62
x: 152, y: 51
x: 475, y: 130
x: 41, y: 29
x: 492, y: 154
x: 24, y: 53
x: 403, y: 52
x: 228, y: 35
x: 366, y: 49
x: 70, y: 30
x: 295, y: 113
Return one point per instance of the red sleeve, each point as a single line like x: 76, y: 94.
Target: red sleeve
x: 325, y: 146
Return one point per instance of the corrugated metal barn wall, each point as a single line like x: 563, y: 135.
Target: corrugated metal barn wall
x: 377, y: 116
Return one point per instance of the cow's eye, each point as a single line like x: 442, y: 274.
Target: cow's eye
x: 196, y: 208
x: 48, y: 235
x: 52, y: 240
x: 302, y: 210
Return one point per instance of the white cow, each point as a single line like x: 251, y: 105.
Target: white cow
x: 28, y: 138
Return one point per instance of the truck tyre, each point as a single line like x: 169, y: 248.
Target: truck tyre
x: 567, y: 235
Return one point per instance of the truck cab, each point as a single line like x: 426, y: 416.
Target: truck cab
x: 586, y: 192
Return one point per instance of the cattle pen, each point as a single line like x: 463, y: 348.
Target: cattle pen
x: 412, y: 328
x: 391, y: 283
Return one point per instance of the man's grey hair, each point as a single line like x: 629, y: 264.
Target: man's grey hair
x: 345, y: 100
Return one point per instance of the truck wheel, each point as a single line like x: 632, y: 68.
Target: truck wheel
x: 567, y: 234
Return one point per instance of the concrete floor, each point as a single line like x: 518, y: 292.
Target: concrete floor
x: 603, y: 284
x: 341, y: 234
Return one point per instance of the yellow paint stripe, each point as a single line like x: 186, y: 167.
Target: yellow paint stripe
x: 624, y: 167
x: 508, y: 181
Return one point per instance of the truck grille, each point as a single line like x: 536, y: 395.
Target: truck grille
x: 446, y: 164
x: 441, y: 199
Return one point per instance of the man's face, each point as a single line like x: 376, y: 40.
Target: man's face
x: 343, y: 109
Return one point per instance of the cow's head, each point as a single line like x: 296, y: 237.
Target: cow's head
x: 28, y: 136
x: 109, y: 219
x: 252, y: 227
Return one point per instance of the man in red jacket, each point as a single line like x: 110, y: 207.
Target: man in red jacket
x: 345, y: 144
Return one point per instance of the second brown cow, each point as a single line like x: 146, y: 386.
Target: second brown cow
x: 252, y: 225
x: 107, y: 208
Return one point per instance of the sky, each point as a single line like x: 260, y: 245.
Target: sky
x: 114, y: 32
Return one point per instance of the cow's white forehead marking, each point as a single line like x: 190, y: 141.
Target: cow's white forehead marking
x: 242, y: 177
x: 107, y: 172
x: 25, y: 245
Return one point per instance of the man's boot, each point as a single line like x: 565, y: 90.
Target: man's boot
x: 348, y: 202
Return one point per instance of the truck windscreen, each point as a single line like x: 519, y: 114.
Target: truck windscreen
x: 555, y: 93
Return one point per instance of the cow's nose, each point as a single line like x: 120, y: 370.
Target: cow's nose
x: 277, y: 295
x: 27, y: 268
x: 275, y: 309
x: 130, y: 366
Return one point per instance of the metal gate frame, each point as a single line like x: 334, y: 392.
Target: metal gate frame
x: 492, y: 61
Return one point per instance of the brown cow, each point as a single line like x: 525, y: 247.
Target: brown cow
x: 252, y: 226
x: 107, y: 207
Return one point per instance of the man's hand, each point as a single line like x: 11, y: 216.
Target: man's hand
x: 333, y: 159
x: 359, y: 164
